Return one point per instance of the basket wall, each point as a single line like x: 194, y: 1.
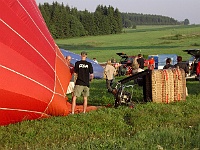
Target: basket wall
x: 165, y: 86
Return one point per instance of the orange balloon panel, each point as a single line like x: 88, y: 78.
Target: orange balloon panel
x: 33, y: 73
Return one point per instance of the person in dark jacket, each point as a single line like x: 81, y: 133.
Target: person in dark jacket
x: 182, y: 65
x: 168, y: 64
x: 140, y: 61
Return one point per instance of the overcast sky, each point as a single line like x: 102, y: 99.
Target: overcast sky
x: 177, y: 9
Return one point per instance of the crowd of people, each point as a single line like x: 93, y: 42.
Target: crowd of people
x: 82, y: 74
x: 180, y: 64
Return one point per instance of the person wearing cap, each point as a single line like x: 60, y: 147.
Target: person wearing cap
x: 83, y: 71
x: 109, y: 73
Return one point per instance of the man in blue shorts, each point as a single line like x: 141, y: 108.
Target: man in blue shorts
x: 83, y: 72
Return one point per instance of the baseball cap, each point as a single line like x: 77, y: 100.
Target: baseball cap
x: 83, y: 53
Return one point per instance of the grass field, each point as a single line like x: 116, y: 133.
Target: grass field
x: 146, y: 40
x: 148, y: 126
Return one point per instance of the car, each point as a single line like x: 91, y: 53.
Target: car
x: 193, y: 61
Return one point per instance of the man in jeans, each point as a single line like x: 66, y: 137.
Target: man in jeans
x: 83, y: 71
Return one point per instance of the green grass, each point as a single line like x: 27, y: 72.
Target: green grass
x: 146, y: 40
x: 148, y: 126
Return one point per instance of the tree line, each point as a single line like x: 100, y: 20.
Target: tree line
x: 65, y: 22
x: 133, y: 19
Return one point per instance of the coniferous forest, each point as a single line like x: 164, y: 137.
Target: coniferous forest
x: 66, y: 22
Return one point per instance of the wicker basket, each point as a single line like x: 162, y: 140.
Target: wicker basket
x: 165, y: 86
x: 179, y: 84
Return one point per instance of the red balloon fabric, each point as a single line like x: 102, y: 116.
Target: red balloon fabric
x: 33, y: 73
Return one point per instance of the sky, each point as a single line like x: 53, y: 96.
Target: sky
x: 177, y: 9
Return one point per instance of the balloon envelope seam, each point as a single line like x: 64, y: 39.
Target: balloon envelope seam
x: 22, y: 110
x: 28, y: 44
x: 36, y: 25
x: 18, y: 73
